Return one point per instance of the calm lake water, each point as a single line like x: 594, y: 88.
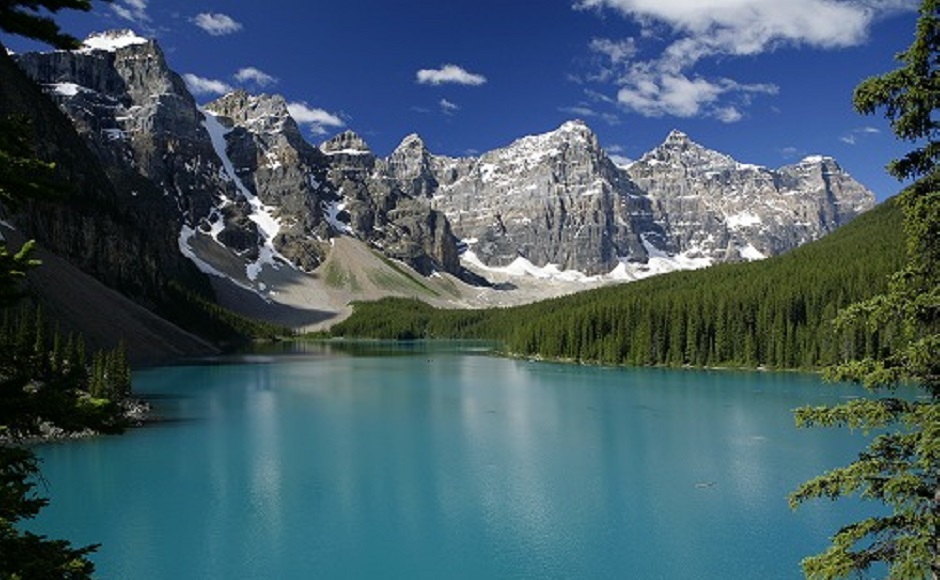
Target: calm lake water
x: 439, y: 462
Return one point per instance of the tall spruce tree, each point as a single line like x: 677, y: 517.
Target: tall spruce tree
x: 24, y: 554
x: 901, y: 466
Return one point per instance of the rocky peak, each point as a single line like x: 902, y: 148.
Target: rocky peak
x: 574, y: 133
x: 412, y: 142
x: 112, y: 40
x: 677, y: 139
x: 411, y: 163
x: 242, y: 106
x: 346, y: 143
x: 681, y: 151
x: 261, y: 114
x: 576, y: 128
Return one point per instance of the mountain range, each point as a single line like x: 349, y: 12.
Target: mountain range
x: 293, y: 231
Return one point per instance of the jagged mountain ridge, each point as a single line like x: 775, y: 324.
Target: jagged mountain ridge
x: 252, y: 194
x: 558, y: 199
x: 714, y: 205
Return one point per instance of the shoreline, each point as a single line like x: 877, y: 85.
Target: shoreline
x: 135, y: 413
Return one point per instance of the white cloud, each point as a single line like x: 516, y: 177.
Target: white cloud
x: 216, y: 24
x: 693, y: 30
x: 448, y: 108
x: 616, y: 50
x: 198, y: 85
x: 653, y: 91
x: 449, y: 73
x: 254, y: 75
x: 317, y: 121
x: 750, y: 26
x: 855, y: 135
x: 132, y: 10
x: 728, y: 114
x: 579, y: 110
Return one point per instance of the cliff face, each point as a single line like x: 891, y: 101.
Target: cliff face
x: 107, y: 238
x: 382, y: 202
x: 250, y: 193
x: 551, y: 199
x: 109, y: 223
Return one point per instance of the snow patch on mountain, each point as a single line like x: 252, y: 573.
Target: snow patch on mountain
x: 262, y: 215
x: 66, y: 89
x: 111, y: 41
x: 660, y: 262
x: 184, y: 243
x: 743, y: 219
x: 331, y: 211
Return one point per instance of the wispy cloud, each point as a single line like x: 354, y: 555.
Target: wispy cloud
x: 317, y: 121
x: 447, y: 107
x: 216, y: 24
x: 686, y: 32
x: 200, y: 86
x: 855, y: 135
x: 790, y: 152
x: 132, y: 10
x: 585, y: 111
x: 616, y: 50
x: 449, y: 74
x: 255, y: 76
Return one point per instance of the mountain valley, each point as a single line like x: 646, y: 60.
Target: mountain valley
x: 293, y: 232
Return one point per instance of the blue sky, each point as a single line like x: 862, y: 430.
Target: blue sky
x: 766, y: 81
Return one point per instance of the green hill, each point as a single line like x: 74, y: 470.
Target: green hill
x: 773, y: 313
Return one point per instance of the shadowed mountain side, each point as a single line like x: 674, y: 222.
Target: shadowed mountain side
x: 79, y: 302
x: 249, y: 303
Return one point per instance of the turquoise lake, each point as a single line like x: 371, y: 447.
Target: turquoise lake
x: 438, y: 461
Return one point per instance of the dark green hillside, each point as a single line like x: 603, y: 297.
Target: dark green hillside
x: 773, y: 313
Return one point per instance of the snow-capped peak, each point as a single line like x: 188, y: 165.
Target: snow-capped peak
x: 574, y: 125
x: 677, y: 136
x: 815, y: 159
x: 112, y: 40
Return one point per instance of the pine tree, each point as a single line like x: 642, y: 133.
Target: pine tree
x: 23, y: 18
x: 901, y: 467
x: 22, y: 175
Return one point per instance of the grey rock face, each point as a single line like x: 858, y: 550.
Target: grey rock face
x: 711, y: 205
x: 551, y: 199
x: 385, y: 202
x: 137, y: 115
x: 558, y: 199
x: 113, y: 225
x: 274, y: 162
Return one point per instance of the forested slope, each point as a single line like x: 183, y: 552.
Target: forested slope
x: 774, y: 313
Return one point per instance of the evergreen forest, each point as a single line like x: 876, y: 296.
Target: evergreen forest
x: 775, y: 313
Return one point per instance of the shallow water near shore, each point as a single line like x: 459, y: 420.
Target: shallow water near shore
x: 435, y: 460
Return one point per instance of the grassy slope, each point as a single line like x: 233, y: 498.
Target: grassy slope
x: 770, y: 313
